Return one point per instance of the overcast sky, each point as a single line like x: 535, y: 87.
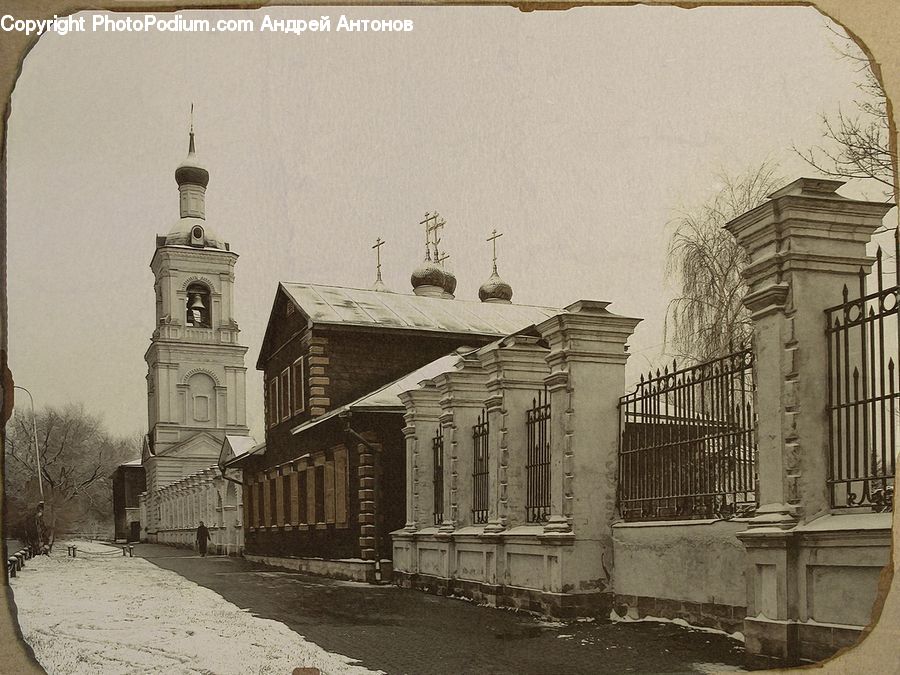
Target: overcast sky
x: 575, y: 133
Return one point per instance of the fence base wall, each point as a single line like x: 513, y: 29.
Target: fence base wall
x: 727, y: 618
x: 690, y: 570
x: 557, y: 605
x: 520, y: 568
x: 813, y: 588
x: 347, y: 570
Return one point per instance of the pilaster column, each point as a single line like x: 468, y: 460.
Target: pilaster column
x: 422, y: 413
x: 804, y: 244
x: 587, y: 376
x: 515, y: 369
x: 409, y: 441
x: 462, y: 399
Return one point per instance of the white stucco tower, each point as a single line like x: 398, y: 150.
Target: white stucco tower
x: 195, y: 366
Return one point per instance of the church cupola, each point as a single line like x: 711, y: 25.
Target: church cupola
x: 495, y: 289
x: 191, y: 228
x: 449, y: 283
x: 192, y: 178
x: 428, y: 279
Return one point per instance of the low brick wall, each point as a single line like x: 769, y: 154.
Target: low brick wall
x: 690, y: 570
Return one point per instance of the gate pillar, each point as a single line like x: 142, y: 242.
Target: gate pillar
x: 587, y: 376
x: 804, y: 244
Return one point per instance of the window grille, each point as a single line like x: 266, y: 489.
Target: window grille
x: 437, y: 448
x: 480, y: 469
x: 537, y: 462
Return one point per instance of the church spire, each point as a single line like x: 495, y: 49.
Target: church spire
x: 192, y: 178
x: 379, y: 284
x: 191, y: 149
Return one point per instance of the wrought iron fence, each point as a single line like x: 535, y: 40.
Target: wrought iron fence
x: 687, y: 444
x: 864, y: 392
x: 537, y: 463
x: 480, y: 469
x: 437, y: 449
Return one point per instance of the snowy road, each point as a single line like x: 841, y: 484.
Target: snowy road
x: 104, y: 613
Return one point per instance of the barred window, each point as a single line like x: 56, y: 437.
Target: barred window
x: 480, y: 469
x: 437, y: 448
x: 537, y: 462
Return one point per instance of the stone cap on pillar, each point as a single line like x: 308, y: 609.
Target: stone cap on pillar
x: 587, y: 329
x: 827, y: 231
x: 516, y: 362
x: 465, y: 387
x: 422, y: 403
x: 811, y: 187
x: 589, y: 307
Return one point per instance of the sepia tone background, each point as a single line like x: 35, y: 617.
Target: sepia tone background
x: 355, y: 222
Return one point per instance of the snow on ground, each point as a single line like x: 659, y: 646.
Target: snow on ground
x: 678, y: 622
x: 102, y: 613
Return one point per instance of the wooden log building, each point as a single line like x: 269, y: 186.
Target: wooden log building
x: 329, y: 484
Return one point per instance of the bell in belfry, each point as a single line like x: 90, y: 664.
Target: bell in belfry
x: 195, y: 313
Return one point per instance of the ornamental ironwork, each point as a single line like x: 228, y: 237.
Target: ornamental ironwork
x: 480, y: 432
x: 687, y: 445
x: 537, y: 461
x: 864, y: 392
x: 437, y: 449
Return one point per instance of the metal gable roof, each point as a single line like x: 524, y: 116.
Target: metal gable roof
x: 336, y: 305
x: 387, y: 397
x: 240, y: 445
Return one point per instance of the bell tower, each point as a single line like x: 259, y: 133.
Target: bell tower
x: 195, y: 365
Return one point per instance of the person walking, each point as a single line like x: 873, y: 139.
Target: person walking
x: 202, y: 538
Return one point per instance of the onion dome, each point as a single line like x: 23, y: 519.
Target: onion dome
x: 191, y: 229
x: 449, y: 284
x: 428, y: 278
x: 190, y: 171
x: 495, y: 289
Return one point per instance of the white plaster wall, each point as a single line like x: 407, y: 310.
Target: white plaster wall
x: 700, y: 562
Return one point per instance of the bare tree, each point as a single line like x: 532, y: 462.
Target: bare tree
x: 77, y: 457
x: 707, y: 318
x: 857, y: 144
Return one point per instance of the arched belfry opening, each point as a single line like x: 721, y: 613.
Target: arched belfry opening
x: 198, y: 306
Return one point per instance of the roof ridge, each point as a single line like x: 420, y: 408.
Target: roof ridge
x: 412, y: 295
